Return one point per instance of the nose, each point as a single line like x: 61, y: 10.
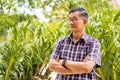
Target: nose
x: 70, y: 22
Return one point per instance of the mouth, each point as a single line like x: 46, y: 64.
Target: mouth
x: 71, y: 26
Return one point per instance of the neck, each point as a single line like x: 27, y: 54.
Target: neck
x: 77, y: 36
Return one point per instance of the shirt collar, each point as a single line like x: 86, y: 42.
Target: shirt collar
x: 84, y: 37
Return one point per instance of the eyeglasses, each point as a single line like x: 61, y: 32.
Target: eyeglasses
x: 73, y: 19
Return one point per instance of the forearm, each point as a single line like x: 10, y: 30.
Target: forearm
x: 76, y: 67
x: 62, y: 70
x: 72, y: 67
x: 80, y: 67
x: 57, y: 67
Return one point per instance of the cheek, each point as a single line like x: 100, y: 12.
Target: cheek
x: 77, y: 24
x: 80, y: 24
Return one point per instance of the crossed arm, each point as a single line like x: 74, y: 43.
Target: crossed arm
x: 73, y: 67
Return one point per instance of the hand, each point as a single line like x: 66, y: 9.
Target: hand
x: 86, y: 59
x: 53, y: 62
x: 60, y: 61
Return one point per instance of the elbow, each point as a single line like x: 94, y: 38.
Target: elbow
x: 50, y: 66
x: 88, y: 68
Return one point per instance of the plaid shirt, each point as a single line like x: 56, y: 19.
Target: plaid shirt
x: 87, y: 46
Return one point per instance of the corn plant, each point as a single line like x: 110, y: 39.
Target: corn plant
x: 104, y: 27
x: 27, y: 50
x: 29, y: 44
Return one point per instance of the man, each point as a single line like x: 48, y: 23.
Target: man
x: 76, y: 56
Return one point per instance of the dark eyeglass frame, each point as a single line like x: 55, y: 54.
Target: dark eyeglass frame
x: 73, y: 19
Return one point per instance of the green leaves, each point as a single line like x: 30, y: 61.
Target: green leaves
x: 116, y: 18
x: 29, y: 43
x: 28, y: 48
x: 104, y: 27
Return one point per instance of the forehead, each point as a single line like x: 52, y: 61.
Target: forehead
x: 74, y: 14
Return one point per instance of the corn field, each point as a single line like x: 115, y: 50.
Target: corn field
x: 26, y: 48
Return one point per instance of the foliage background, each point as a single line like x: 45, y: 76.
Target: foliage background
x: 26, y: 42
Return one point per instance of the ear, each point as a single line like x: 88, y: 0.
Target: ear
x: 84, y: 21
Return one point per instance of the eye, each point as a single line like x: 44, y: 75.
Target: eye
x: 73, y: 19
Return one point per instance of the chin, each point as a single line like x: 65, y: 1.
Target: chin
x: 72, y: 30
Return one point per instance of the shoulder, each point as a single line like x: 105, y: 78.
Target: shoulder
x: 90, y: 39
x: 62, y: 39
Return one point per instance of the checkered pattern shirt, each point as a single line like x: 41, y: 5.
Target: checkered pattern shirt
x: 65, y: 48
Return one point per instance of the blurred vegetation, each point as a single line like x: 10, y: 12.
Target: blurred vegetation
x: 26, y: 43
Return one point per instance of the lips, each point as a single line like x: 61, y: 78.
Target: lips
x: 71, y: 26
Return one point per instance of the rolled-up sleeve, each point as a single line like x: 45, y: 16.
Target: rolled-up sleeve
x: 94, y: 53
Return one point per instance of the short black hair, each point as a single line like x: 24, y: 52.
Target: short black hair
x: 82, y: 12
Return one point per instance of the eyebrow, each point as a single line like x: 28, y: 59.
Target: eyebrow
x: 73, y: 17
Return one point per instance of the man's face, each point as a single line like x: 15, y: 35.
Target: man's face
x: 76, y: 22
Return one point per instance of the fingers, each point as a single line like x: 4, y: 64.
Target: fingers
x: 86, y: 59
